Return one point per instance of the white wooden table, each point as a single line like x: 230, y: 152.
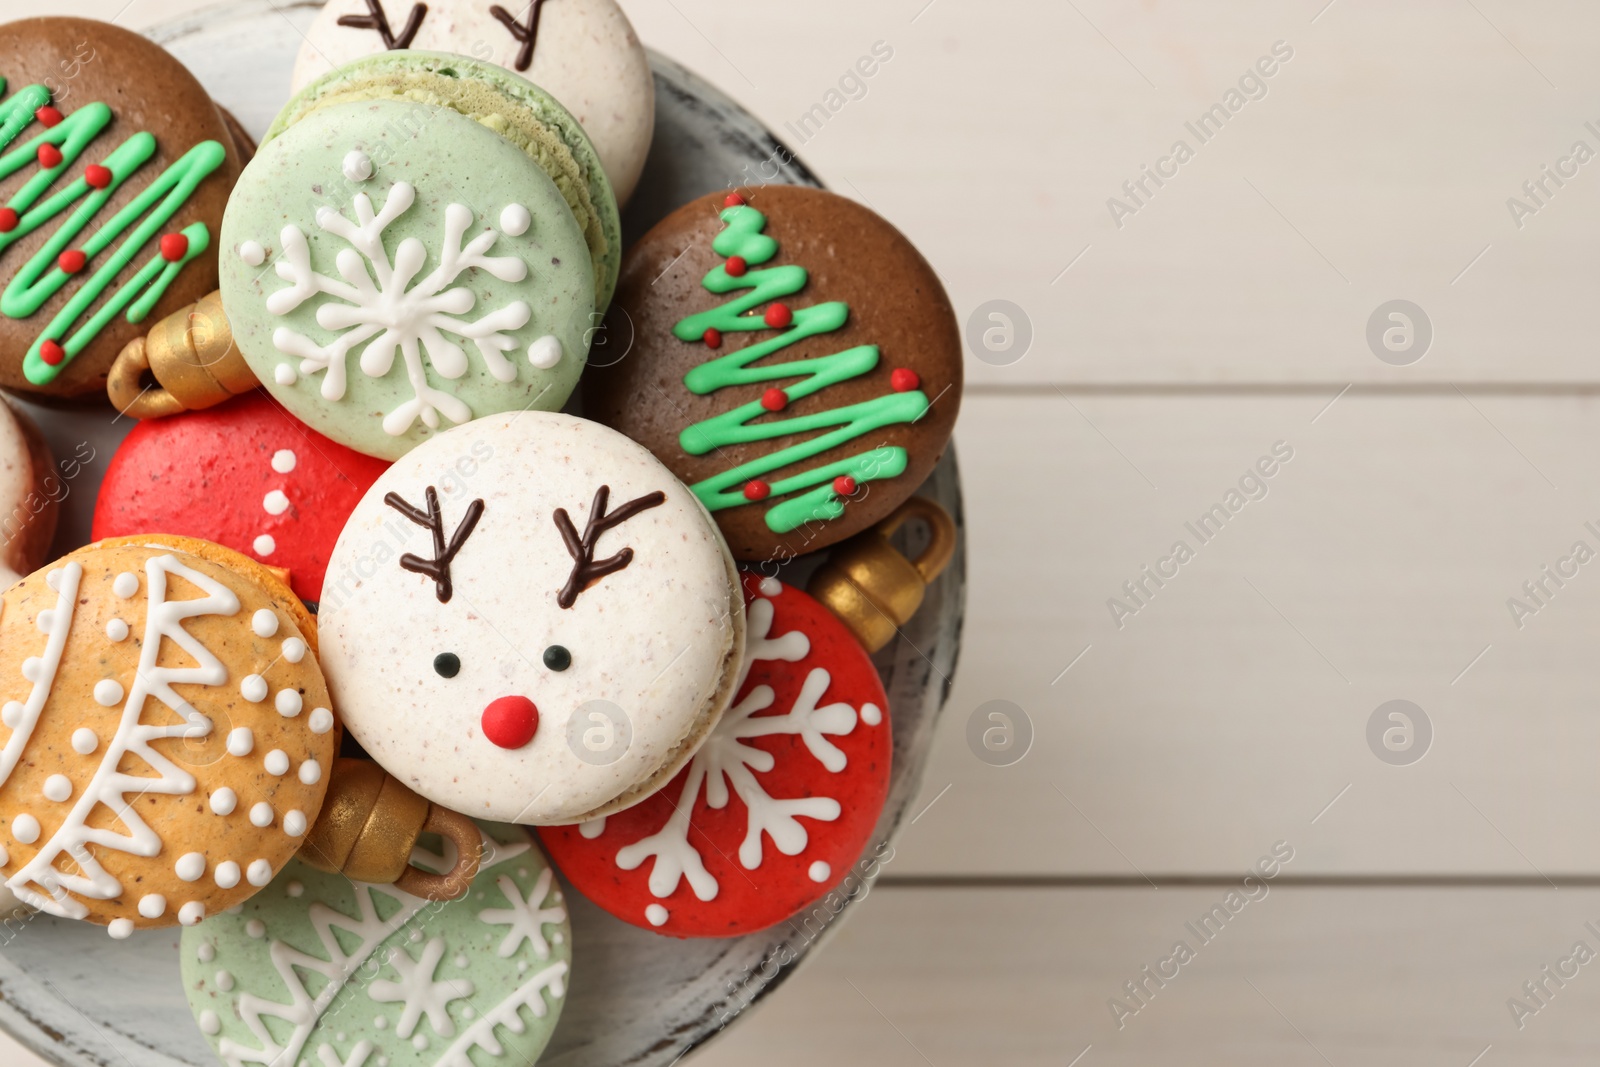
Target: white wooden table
x: 1226, y: 313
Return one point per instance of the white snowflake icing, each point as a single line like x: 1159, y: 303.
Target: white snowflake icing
x: 724, y: 759
x: 383, y: 305
x: 419, y: 993
x: 526, y: 918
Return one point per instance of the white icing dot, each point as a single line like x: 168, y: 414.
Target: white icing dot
x: 5, y: 856
x: 252, y: 253
x: 46, y: 620
x: 558, y: 938
x: 515, y: 220
x: 125, y: 585
x: 206, y: 952
x: 545, y: 352
x: 294, y: 823
x: 468, y: 1013
x: 57, y: 787
x: 819, y: 871
x: 84, y: 741
x: 190, y: 866
x: 253, y: 688
x: 153, y: 906
x: 284, y: 374
x: 108, y: 692
x: 210, y: 1025
x: 461, y: 961
x: 264, y: 622
x: 25, y: 828
x: 358, y: 166
x: 380, y: 1023
x: 223, y: 801
x: 275, y: 502
x: 120, y: 928
x: 656, y: 914
x: 771, y: 587
x: 226, y: 874
x: 117, y: 630
x: 522, y: 966
x: 414, y: 936
x: 260, y: 873
x: 321, y: 720
x: 224, y: 981
x: 283, y: 460
x: 871, y: 714
x: 240, y: 741
x: 256, y: 928
x: 32, y: 668
x: 12, y: 713
x: 265, y: 545
x: 277, y: 762
x: 310, y: 772
x: 293, y: 889
x: 288, y: 703
x: 592, y: 829
x: 261, y: 814
x: 419, y: 1041
x: 294, y: 650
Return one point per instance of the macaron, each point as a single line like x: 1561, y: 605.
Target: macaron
x: 115, y: 168
x: 778, y: 805
x: 166, y: 732
x: 247, y: 475
x: 794, y: 360
x: 422, y: 240
x: 585, y: 53
x: 319, y: 969
x: 528, y: 619
x: 32, y: 487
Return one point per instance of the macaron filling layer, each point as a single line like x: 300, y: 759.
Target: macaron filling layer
x: 519, y: 111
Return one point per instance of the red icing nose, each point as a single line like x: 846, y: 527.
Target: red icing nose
x: 510, y: 722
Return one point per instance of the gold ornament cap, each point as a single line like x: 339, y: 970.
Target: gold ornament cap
x: 191, y: 356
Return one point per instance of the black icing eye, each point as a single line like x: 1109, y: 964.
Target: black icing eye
x: 557, y: 658
x: 448, y: 664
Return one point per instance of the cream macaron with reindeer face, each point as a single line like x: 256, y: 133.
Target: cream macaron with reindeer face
x: 529, y: 619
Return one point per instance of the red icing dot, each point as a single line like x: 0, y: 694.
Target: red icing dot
x: 779, y: 316
x: 733, y: 200
x: 97, y: 176
x: 737, y: 266
x: 757, y: 490
x: 510, y: 722
x: 52, y: 353
x: 774, y: 400
x: 844, y: 485
x: 48, y: 115
x: 8, y: 219
x: 713, y: 337
x: 174, y: 246
x: 49, y: 156
x: 71, y: 262
x: 904, y: 379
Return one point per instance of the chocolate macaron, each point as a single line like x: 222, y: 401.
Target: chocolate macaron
x: 115, y: 167
x: 793, y: 358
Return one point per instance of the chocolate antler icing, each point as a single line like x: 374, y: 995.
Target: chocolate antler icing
x: 585, y: 570
x: 527, y: 33
x: 437, y: 568
x: 379, y: 21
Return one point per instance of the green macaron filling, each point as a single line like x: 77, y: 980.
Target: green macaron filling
x: 516, y: 109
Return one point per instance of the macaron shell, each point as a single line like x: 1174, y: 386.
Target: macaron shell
x: 31, y: 491
x: 86, y: 62
x: 379, y: 976
x: 651, y: 641
x: 448, y: 165
x: 586, y: 55
x: 799, y: 767
x: 95, y: 662
x: 893, y: 302
x: 245, y: 474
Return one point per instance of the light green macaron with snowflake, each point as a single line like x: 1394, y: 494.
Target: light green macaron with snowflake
x: 317, y: 969
x: 421, y: 240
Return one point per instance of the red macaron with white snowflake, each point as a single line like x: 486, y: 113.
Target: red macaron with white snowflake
x: 776, y: 807
x: 245, y: 474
